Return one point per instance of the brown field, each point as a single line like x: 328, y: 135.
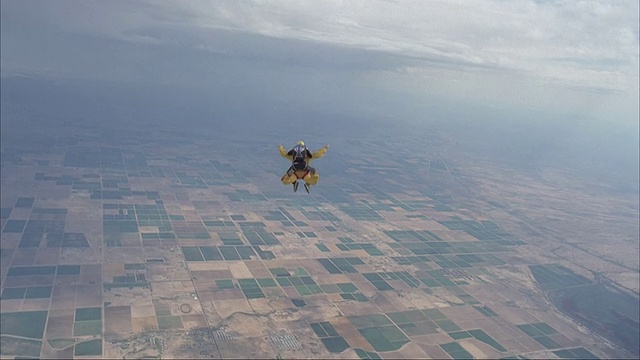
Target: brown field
x: 143, y: 324
x: 117, y: 320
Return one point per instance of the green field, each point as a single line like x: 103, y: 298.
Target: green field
x: 38, y: 292
x: 84, y: 314
x: 68, y: 270
x: 224, y: 284
x: 555, y: 277
x: 27, y: 324
x: 250, y: 288
x: 329, y: 337
x: 367, y: 354
x: 456, y: 351
x: 88, y: 348
x: 31, y: 270
x: 539, y: 332
x: 379, y: 331
x: 13, y: 293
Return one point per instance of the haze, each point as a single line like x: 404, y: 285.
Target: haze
x: 519, y: 117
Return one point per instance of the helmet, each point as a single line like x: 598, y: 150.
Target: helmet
x: 301, y: 143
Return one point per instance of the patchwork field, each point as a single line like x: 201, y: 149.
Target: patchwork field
x: 139, y: 244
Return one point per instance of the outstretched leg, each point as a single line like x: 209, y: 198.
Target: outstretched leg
x: 312, y: 177
x: 289, y: 177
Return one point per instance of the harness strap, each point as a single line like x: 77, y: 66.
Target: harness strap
x: 305, y: 174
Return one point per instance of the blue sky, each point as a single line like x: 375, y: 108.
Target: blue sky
x: 574, y: 57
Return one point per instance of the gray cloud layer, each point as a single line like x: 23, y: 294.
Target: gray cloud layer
x: 569, y: 56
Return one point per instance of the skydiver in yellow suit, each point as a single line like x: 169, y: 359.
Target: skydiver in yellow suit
x: 300, y: 158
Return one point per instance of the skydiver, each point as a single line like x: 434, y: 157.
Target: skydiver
x: 300, y: 169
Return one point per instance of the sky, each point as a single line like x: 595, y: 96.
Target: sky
x: 574, y: 57
x: 537, y: 61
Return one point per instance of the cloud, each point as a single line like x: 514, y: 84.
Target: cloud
x: 515, y: 35
x: 577, y: 49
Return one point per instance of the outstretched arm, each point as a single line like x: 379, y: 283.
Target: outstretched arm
x: 284, y: 154
x: 319, y: 153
